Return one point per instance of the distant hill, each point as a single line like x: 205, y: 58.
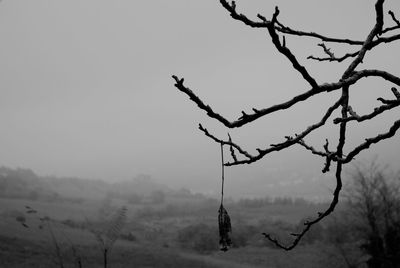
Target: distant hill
x: 141, y: 184
x: 24, y: 183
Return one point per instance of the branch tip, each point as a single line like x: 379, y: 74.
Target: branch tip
x: 391, y: 13
x: 177, y: 80
x: 396, y: 93
x: 275, y: 16
x: 261, y: 17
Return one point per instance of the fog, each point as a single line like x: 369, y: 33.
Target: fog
x: 86, y: 90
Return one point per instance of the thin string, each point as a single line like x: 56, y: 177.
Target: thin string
x: 222, y: 171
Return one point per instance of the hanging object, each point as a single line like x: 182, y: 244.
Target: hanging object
x: 224, y: 221
x: 225, y: 229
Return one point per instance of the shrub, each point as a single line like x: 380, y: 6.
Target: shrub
x: 199, y: 237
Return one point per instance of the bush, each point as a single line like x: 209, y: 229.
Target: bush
x: 135, y: 198
x: 199, y: 237
x: 242, y: 234
x: 157, y: 197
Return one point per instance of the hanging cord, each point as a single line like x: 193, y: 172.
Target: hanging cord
x: 222, y: 173
x: 224, y: 221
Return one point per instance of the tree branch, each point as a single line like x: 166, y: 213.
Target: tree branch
x: 285, y: 51
x: 388, y: 105
x: 344, y: 57
x: 230, y: 143
x: 335, y: 199
x: 247, y: 118
x: 369, y: 141
x: 231, y: 8
x: 383, y: 74
x: 289, y: 140
x: 349, y: 77
x: 329, y: 156
x: 374, y: 32
x: 394, y: 17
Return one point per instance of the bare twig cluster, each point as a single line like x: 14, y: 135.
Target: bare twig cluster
x: 277, y: 31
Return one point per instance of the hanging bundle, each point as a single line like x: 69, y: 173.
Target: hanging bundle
x: 225, y: 229
x: 224, y: 221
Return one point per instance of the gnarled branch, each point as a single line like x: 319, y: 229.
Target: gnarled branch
x: 349, y: 77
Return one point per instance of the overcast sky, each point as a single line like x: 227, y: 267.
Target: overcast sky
x: 86, y: 88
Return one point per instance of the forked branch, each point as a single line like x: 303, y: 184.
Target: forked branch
x: 349, y: 77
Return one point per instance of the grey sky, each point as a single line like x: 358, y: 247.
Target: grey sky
x: 86, y: 87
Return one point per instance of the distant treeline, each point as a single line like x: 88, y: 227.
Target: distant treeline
x: 141, y: 190
x: 24, y: 183
x: 262, y: 202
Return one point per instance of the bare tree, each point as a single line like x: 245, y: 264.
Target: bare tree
x: 374, y: 200
x: 351, y: 75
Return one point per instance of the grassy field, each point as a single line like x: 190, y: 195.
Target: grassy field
x: 15, y: 252
x: 154, y: 231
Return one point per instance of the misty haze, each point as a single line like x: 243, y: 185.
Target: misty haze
x: 200, y: 133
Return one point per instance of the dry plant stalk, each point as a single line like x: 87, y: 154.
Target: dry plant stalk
x: 377, y: 36
x: 110, y: 232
